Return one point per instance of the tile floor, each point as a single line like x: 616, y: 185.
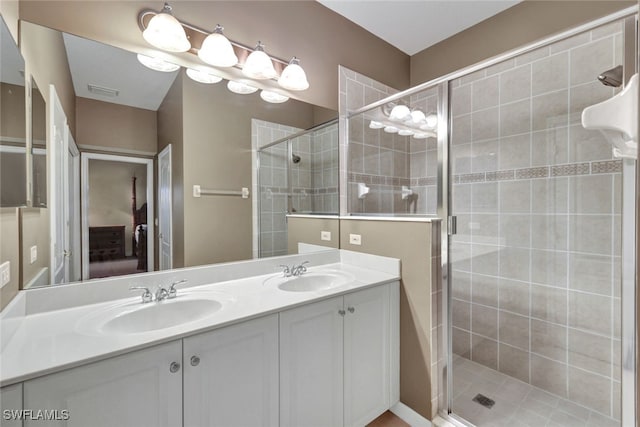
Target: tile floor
x: 517, y: 404
x: 388, y: 419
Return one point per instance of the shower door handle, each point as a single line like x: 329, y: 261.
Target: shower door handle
x: 452, y: 226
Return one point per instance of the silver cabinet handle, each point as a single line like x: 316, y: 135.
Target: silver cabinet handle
x: 342, y: 312
x: 195, y: 360
x: 174, y: 367
x: 351, y: 309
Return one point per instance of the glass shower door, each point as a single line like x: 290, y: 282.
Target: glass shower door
x: 535, y: 284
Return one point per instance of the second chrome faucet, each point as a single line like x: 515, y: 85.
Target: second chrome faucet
x: 162, y: 293
x: 294, y: 270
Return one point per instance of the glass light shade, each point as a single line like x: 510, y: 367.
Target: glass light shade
x: 216, y: 50
x: 202, y: 76
x: 157, y: 64
x: 375, y: 125
x: 293, y: 76
x: 432, y: 121
x: 417, y: 116
x: 258, y: 65
x: 273, y: 97
x: 391, y: 129
x: 165, y: 32
x: 420, y: 135
x: 405, y: 132
x: 241, y: 88
x: 399, y: 113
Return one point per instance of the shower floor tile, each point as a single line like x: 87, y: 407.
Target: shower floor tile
x: 516, y: 403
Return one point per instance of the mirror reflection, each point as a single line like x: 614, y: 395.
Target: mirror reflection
x: 138, y: 141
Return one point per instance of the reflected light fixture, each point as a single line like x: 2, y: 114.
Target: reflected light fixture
x: 166, y: 32
x: 258, y: 65
x: 375, y: 125
x: 391, y: 129
x: 405, y: 132
x: 293, y: 76
x: 217, y: 50
x: 420, y: 135
x: 431, y: 121
x: 202, y: 76
x: 273, y: 97
x: 157, y: 64
x: 400, y: 113
x: 240, y: 88
x: 417, y: 117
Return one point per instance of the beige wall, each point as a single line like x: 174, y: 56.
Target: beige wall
x: 9, y: 10
x: 9, y: 251
x: 170, y: 131
x: 34, y: 231
x: 304, y: 28
x: 307, y: 230
x: 521, y: 24
x: 217, y: 155
x: 104, y: 125
x: 110, y: 187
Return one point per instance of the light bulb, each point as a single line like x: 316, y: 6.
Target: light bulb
x: 258, y: 65
x: 391, y: 129
x: 217, y: 50
x: 166, y: 32
x: 399, y: 113
x: 420, y: 135
x: 417, y: 116
x: 375, y: 125
x: 241, y: 88
x: 273, y: 97
x: 293, y: 76
x: 432, y: 121
x: 202, y: 76
x: 157, y: 64
x: 405, y: 132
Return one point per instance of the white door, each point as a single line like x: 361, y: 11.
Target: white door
x: 137, y: 389
x: 11, y: 400
x: 73, y: 218
x: 165, y: 227
x: 367, y: 355
x: 57, y: 179
x: 311, y: 365
x: 231, y: 376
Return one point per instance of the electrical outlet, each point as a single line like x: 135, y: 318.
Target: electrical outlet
x: 355, y: 239
x: 325, y: 235
x: 34, y: 254
x: 5, y: 273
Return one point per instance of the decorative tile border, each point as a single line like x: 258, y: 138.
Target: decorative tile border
x: 571, y: 169
x: 609, y: 166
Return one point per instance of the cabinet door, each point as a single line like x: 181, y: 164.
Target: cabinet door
x: 367, y: 355
x: 311, y: 365
x: 10, y: 402
x: 136, y: 389
x: 234, y: 380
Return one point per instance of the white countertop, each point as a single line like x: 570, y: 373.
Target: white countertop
x: 47, y: 341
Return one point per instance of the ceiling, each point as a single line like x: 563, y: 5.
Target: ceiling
x: 11, y: 62
x: 414, y: 25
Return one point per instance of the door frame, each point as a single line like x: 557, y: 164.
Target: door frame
x: 75, y: 241
x: 165, y: 155
x: 84, y: 183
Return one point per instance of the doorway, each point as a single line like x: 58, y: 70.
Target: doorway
x: 117, y: 215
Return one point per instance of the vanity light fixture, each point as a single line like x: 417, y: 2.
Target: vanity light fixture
x: 420, y: 135
x: 273, y: 97
x: 400, y: 113
x: 157, y: 64
x: 202, y: 76
x: 258, y: 65
x: 416, y: 117
x: 375, y: 125
x: 240, y: 88
x: 293, y: 76
x: 217, y: 50
x: 165, y: 32
x: 405, y: 132
x: 431, y: 121
x: 391, y: 129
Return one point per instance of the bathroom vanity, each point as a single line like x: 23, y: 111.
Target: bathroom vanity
x: 239, y: 345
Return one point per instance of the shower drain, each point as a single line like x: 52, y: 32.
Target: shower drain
x: 484, y: 400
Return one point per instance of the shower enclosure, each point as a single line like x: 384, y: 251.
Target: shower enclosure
x: 539, y: 245
x: 297, y: 174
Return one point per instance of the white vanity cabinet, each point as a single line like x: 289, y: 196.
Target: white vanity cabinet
x: 10, y: 401
x: 231, y: 375
x: 339, y: 359
x: 138, y: 389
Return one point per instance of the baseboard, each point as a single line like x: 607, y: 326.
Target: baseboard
x: 409, y: 416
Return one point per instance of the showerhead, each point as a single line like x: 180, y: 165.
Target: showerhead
x: 295, y: 158
x: 612, y: 77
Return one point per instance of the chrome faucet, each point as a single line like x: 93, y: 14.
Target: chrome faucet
x: 147, y: 296
x: 294, y: 270
x: 161, y: 292
x: 172, y: 289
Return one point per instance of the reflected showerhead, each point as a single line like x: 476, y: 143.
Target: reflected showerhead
x: 612, y: 77
x: 295, y: 158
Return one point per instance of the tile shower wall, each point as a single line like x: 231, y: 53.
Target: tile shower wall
x: 535, y: 280
x: 324, y: 161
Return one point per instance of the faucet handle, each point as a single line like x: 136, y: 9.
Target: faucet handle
x: 301, y: 269
x: 172, y: 289
x: 286, y: 270
x: 147, y: 296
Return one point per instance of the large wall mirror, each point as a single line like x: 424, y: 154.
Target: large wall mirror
x: 125, y: 119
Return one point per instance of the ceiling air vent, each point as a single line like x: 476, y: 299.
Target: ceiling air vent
x: 103, y: 91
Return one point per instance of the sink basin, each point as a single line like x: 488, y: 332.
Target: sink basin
x: 134, y: 317
x: 316, y: 281
x: 165, y: 314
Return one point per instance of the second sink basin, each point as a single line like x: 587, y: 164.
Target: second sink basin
x: 316, y: 281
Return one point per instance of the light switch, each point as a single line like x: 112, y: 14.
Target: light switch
x: 355, y: 239
x: 34, y: 254
x: 5, y: 273
x: 325, y: 235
